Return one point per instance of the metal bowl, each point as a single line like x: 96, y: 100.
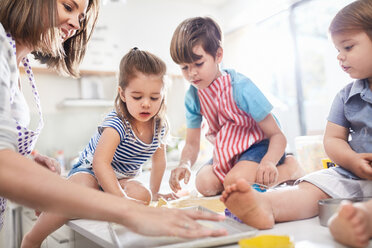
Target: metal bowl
x: 327, y: 207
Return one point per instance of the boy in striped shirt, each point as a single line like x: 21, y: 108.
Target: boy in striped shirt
x: 247, y: 139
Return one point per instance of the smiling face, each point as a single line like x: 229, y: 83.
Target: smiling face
x: 354, y: 53
x: 202, y: 72
x: 70, y: 15
x: 143, y: 96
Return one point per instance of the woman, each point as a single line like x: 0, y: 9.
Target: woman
x: 56, y: 32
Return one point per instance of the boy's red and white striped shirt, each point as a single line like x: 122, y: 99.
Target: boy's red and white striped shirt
x: 231, y: 130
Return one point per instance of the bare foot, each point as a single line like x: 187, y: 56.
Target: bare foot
x: 352, y: 225
x: 248, y: 205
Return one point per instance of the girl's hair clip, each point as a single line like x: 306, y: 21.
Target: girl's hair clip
x: 135, y: 48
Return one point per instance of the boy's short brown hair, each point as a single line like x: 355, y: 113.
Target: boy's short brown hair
x: 202, y: 31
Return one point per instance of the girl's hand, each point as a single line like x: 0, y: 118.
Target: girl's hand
x: 167, y: 197
x: 362, y: 165
x: 177, y: 174
x: 267, y: 173
x: 173, y: 222
x: 48, y: 162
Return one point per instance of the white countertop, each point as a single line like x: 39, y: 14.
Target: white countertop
x: 304, y: 233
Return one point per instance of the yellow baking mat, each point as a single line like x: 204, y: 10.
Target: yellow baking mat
x: 212, y: 203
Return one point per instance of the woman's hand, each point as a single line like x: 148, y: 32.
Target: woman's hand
x: 173, y: 222
x: 48, y: 162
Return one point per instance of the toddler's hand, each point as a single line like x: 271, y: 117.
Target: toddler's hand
x: 177, y: 174
x: 362, y: 166
x: 48, y: 162
x: 267, y: 173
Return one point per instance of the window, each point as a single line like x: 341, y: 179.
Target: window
x: 290, y: 58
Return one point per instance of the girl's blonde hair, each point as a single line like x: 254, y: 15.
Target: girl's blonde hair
x: 357, y: 16
x: 134, y: 62
x: 33, y: 23
x: 202, y: 31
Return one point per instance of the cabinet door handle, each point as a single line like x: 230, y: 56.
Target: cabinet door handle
x: 59, y: 239
x: 30, y: 215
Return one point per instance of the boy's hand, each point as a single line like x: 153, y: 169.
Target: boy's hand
x: 177, y: 174
x: 362, y: 166
x: 267, y: 173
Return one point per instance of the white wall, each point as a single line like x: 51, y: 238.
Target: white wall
x: 146, y: 24
x: 149, y: 25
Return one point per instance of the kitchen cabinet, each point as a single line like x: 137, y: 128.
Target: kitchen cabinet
x: 10, y: 234
x: 92, y: 89
x: 86, y: 103
x: 44, y: 70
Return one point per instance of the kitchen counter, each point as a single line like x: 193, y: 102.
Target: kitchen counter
x: 304, y: 233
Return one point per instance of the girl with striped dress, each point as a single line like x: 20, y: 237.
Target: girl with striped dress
x: 125, y: 140
x: 247, y: 139
x: 131, y: 134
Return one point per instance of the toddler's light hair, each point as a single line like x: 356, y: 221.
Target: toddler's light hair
x: 357, y: 16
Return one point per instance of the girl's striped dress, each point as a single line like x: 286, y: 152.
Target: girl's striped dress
x: 130, y: 154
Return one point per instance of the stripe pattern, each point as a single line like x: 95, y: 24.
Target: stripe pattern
x: 130, y: 154
x: 231, y: 130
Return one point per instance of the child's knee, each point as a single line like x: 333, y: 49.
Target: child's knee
x: 291, y: 160
x: 231, y: 178
x: 208, y: 184
x: 137, y: 191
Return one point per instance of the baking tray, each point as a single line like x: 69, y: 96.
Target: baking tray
x: 122, y: 237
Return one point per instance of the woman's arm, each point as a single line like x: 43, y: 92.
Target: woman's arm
x: 339, y: 151
x: 103, y: 155
x: 27, y: 183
